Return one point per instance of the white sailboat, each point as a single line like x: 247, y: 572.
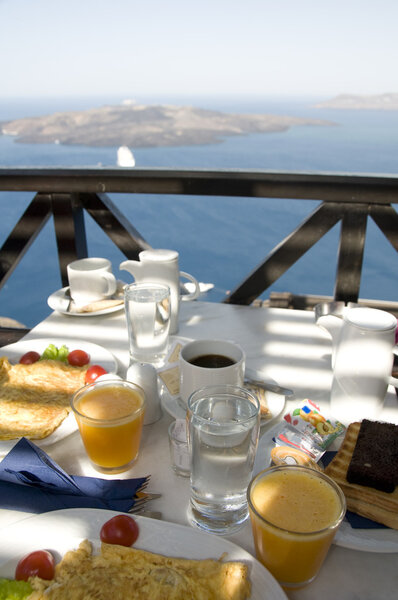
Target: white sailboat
x: 125, y: 157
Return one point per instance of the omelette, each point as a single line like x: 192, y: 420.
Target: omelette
x: 35, y: 399
x: 130, y: 574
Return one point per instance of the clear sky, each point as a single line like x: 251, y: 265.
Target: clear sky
x: 256, y: 47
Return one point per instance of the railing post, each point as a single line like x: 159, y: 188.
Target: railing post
x: 70, y: 230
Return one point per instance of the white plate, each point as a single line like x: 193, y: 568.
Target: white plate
x: 367, y: 540
x: 177, y: 409
x: 62, y: 530
x: 59, y: 301
x: 98, y: 356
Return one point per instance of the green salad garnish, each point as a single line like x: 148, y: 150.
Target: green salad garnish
x: 54, y: 353
x: 14, y: 590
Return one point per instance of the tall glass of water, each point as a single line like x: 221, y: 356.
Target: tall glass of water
x: 147, y: 307
x: 224, y: 423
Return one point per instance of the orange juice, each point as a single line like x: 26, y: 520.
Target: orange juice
x: 110, y: 416
x: 295, y: 512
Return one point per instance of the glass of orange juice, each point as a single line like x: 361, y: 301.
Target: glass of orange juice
x: 110, y: 416
x: 295, y: 512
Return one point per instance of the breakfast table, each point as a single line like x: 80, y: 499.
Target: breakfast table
x: 282, y: 346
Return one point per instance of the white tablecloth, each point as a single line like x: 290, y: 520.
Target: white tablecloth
x: 285, y: 346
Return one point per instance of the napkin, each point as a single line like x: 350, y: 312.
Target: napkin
x: 31, y: 481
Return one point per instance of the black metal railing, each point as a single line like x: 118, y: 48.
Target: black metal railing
x: 66, y: 193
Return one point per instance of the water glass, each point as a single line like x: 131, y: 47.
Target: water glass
x: 147, y: 307
x: 224, y: 422
x: 179, y: 449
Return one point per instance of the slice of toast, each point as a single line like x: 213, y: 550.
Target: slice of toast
x: 368, y: 502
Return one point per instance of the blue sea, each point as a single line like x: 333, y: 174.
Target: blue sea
x: 220, y: 240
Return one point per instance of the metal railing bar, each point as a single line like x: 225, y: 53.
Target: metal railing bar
x: 350, y: 253
x: 24, y: 234
x: 70, y: 231
x: 353, y: 188
x: 286, y: 253
x: 386, y: 218
x: 113, y: 222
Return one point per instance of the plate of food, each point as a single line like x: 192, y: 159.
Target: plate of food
x: 196, y: 563
x: 364, y: 502
x: 62, y: 302
x: 35, y: 394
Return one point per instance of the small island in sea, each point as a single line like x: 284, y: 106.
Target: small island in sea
x: 353, y: 102
x: 141, y: 126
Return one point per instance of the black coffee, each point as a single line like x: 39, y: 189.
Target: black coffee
x: 212, y: 361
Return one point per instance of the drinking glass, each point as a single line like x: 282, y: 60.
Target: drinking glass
x: 295, y: 512
x: 110, y: 415
x: 147, y: 307
x: 224, y: 423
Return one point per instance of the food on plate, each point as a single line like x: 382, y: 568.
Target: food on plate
x: 98, y: 305
x: 93, y: 373
x: 262, y: 398
x: 120, y: 572
x: 39, y: 563
x: 35, y: 398
x: 380, y: 506
x: 374, y: 461
x: 29, y: 357
x: 78, y: 358
x: 286, y: 455
x: 121, y: 529
x: 54, y: 353
x: 14, y: 590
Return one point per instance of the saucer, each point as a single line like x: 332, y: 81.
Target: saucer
x: 60, y: 301
x: 175, y: 406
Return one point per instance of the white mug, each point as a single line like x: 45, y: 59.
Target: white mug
x: 90, y: 279
x: 161, y: 266
x: 193, y: 375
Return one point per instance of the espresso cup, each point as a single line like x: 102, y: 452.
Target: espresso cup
x: 90, y: 279
x: 210, y: 362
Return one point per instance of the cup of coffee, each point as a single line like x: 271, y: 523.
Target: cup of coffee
x: 90, y: 279
x: 210, y: 362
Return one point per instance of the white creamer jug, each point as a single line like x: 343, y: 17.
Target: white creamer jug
x: 362, y: 357
x: 161, y: 266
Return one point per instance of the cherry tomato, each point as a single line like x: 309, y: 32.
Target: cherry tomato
x: 94, y: 372
x: 122, y: 530
x: 78, y: 358
x: 29, y: 358
x: 40, y: 563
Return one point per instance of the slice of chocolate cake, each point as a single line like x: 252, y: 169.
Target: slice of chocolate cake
x: 374, y: 462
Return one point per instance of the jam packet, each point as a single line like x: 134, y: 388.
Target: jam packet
x: 290, y: 437
x: 309, y: 421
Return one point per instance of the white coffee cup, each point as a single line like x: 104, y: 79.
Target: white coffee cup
x: 90, y: 279
x: 195, y: 376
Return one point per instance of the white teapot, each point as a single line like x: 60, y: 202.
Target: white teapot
x: 362, y: 356
x: 161, y: 266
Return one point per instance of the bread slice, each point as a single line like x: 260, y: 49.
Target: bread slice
x: 374, y: 461
x: 262, y: 398
x: 368, y: 502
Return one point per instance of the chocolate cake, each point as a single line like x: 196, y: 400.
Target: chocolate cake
x: 374, y: 462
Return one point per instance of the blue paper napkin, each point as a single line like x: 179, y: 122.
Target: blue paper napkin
x: 31, y: 481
